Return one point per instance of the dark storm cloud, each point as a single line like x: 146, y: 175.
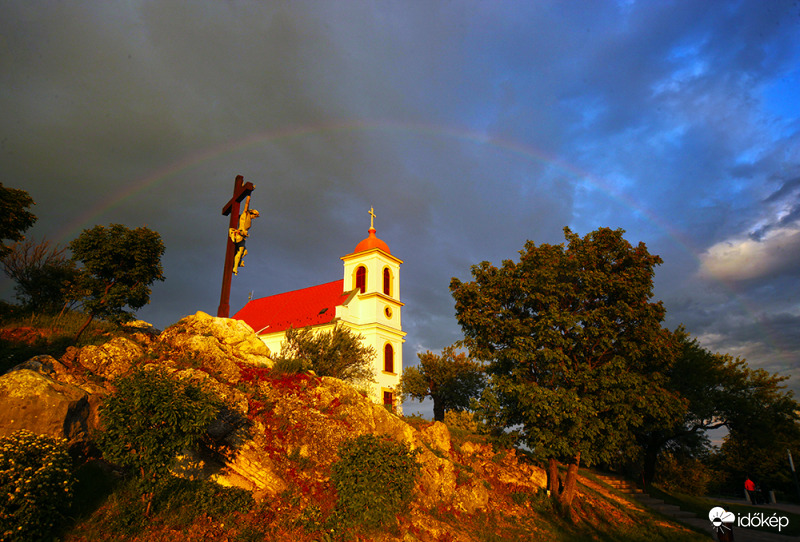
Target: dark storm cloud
x: 470, y: 127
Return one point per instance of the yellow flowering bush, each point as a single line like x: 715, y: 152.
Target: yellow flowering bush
x: 35, y: 485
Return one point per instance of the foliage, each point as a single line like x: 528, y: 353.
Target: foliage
x: 35, y: 485
x: 43, y: 275
x: 721, y: 391
x: 338, y: 353
x: 575, y: 348
x: 451, y: 379
x: 374, y: 478
x: 186, y: 499
x: 14, y: 216
x: 119, y: 265
x: 462, y: 421
x: 290, y: 366
x: 150, y: 419
x: 683, y: 473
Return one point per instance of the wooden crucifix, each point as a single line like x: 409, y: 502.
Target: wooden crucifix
x: 241, y: 190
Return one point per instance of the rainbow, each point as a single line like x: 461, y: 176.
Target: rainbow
x: 163, y: 174
x: 527, y: 152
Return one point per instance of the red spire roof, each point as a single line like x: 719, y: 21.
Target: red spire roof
x: 372, y: 242
x: 300, y: 308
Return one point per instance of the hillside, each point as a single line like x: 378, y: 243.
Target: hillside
x: 276, y: 440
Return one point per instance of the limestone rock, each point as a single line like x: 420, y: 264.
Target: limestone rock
x: 252, y: 470
x: 217, y: 343
x: 44, y: 365
x: 437, y: 436
x: 36, y: 402
x: 111, y: 359
x: 472, y: 496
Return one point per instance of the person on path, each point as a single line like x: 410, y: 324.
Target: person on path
x: 750, y: 488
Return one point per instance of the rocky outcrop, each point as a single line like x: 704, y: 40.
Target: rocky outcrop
x: 276, y: 433
x: 61, y: 397
x: 217, y: 344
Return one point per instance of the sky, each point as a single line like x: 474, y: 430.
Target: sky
x: 470, y: 128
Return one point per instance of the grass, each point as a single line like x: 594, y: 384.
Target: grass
x: 47, y: 334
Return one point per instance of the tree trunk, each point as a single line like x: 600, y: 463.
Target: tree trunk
x: 84, y: 326
x: 650, y: 460
x: 553, y: 482
x: 438, y: 410
x: 570, y: 482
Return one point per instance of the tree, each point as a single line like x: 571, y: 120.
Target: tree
x: 576, y: 352
x: 149, y: 420
x: 119, y: 265
x: 14, y: 216
x: 718, y: 391
x: 43, y: 274
x: 451, y: 379
x: 338, y: 353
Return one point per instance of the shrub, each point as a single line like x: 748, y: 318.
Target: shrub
x: 374, y: 477
x: 183, y: 500
x: 150, y: 419
x: 338, y: 353
x: 462, y: 420
x: 35, y: 485
x: 291, y: 366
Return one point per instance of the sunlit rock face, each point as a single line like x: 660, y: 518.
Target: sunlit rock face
x: 275, y: 432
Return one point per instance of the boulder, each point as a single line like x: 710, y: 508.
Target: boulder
x: 216, y: 343
x: 437, y: 436
x: 471, y: 497
x: 112, y: 359
x: 34, y: 401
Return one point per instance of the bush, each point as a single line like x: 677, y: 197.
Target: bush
x: 338, y: 353
x: 183, y: 500
x: 35, y: 485
x: 374, y: 478
x: 461, y: 420
x: 150, y: 420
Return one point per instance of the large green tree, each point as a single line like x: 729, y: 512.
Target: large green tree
x: 14, y: 216
x: 575, y: 349
x: 118, y: 266
x: 451, y: 379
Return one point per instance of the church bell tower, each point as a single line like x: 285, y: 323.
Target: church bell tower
x: 374, y: 274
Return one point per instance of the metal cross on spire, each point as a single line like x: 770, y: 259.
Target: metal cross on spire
x: 372, y: 216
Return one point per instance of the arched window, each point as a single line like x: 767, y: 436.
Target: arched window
x: 361, y: 278
x: 388, y: 400
x: 388, y: 358
x: 387, y: 281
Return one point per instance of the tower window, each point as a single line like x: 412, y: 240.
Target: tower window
x: 388, y: 400
x: 387, y: 281
x: 361, y: 278
x: 388, y: 358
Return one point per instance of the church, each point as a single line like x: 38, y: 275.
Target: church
x: 366, y: 301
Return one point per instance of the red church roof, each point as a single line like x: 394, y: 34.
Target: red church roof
x: 300, y: 308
